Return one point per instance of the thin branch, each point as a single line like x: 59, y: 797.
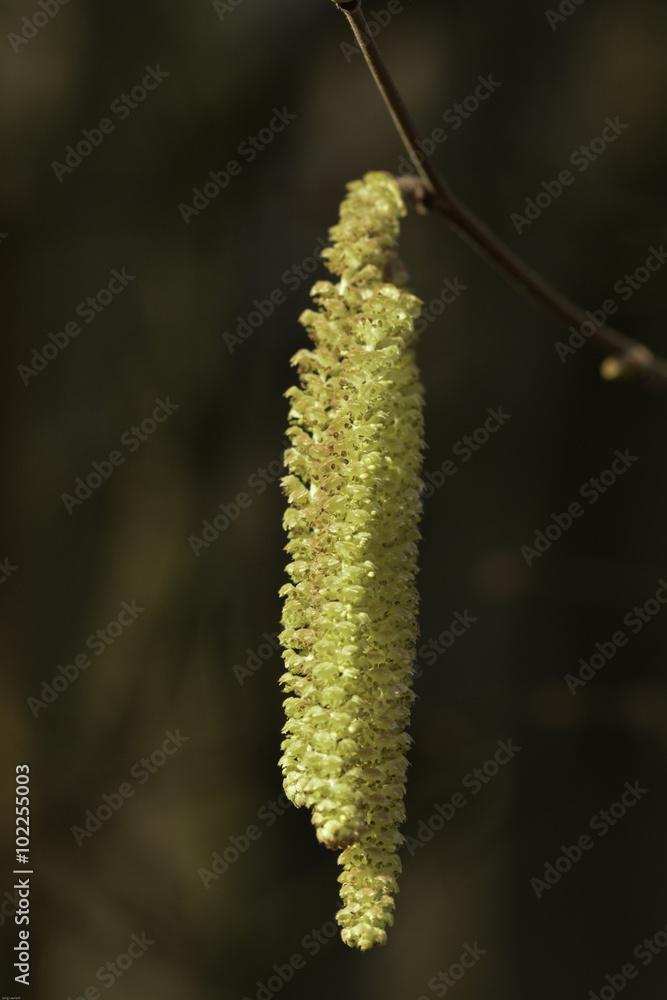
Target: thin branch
x: 625, y: 357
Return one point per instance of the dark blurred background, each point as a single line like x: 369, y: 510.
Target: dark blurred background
x: 195, y: 337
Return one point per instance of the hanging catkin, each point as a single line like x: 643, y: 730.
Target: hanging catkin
x: 350, y: 612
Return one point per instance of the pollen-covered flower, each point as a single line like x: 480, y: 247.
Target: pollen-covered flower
x: 349, y: 616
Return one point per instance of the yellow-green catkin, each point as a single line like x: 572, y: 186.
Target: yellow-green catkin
x: 350, y: 612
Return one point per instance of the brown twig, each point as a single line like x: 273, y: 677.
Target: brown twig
x: 625, y: 358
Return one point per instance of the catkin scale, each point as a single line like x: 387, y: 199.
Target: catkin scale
x: 350, y: 625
